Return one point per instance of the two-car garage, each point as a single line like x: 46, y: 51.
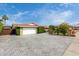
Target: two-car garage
x: 25, y: 31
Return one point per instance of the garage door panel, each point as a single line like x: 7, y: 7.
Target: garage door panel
x: 29, y: 31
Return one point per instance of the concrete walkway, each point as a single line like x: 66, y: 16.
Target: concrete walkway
x: 73, y: 49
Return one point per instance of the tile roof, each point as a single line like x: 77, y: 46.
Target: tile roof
x: 26, y: 25
x: 7, y: 27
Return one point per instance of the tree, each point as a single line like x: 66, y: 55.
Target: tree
x: 4, y: 18
x: 51, y: 29
x: 63, y: 28
x: 57, y: 30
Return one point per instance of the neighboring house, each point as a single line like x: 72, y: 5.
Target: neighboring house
x: 6, y: 30
x: 46, y: 28
x: 30, y: 28
x: 76, y: 27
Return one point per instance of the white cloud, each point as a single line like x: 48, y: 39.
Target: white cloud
x: 0, y: 17
x: 66, y: 13
x: 46, y: 16
x: 19, y: 14
x: 16, y: 17
x: 3, y: 7
x: 57, y: 17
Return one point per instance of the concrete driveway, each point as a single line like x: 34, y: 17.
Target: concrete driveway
x: 34, y: 45
x: 73, y: 49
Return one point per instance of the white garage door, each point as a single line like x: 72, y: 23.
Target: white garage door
x: 29, y: 31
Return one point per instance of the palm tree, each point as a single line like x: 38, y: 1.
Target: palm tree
x: 4, y: 18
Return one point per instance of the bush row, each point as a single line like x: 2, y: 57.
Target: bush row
x: 62, y: 29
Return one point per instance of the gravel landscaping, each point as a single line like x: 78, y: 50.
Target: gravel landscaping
x: 34, y: 45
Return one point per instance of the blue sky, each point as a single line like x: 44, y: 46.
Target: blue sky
x: 42, y: 14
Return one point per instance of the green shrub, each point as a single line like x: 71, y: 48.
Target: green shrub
x: 40, y: 29
x: 17, y: 30
x: 57, y: 30
x: 1, y: 27
x: 63, y: 28
x: 51, y: 29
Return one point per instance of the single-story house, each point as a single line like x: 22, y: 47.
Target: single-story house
x: 30, y: 28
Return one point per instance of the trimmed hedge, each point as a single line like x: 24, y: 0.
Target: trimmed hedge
x: 17, y: 30
x: 1, y: 27
x: 40, y: 29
